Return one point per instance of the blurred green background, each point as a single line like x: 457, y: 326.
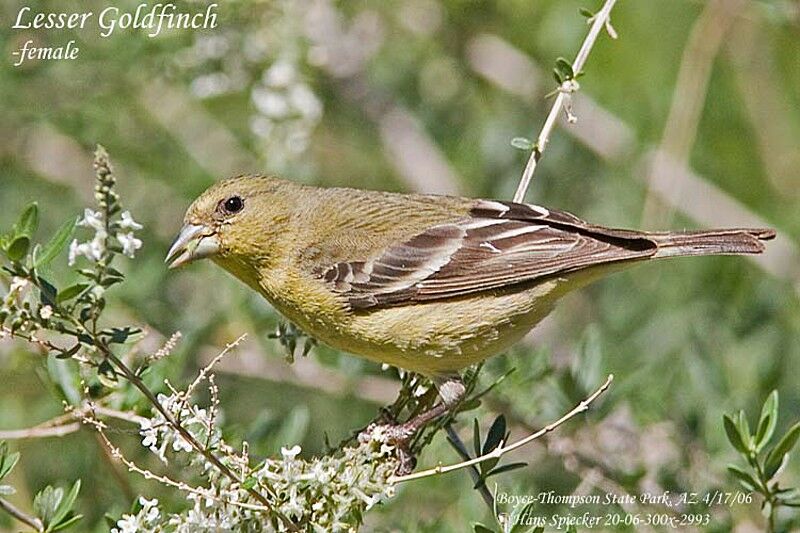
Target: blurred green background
x: 689, y: 119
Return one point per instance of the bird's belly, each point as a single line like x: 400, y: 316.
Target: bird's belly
x: 444, y: 336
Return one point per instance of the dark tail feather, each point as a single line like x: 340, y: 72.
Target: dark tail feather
x: 712, y: 242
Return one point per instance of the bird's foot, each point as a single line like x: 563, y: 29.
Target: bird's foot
x: 451, y: 392
x: 398, y: 436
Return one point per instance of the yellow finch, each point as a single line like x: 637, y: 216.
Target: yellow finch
x: 427, y: 283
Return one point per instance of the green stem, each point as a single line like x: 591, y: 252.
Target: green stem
x: 765, y: 491
x: 140, y: 385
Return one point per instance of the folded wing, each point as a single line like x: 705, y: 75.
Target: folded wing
x: 498, y: 245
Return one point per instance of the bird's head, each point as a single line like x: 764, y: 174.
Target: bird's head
x: 233, y: 222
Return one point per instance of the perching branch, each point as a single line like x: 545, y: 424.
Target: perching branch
x: 503, y: 449
x: 599, y: 21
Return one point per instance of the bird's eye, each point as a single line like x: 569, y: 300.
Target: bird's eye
x: 234, y: 204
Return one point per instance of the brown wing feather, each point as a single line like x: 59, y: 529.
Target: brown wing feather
x: 498, y: 245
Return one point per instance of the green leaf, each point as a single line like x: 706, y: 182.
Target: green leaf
x: 585, y: 12
x: 503, y: 469
x: 249, y: 483
x: 469, y: 405
x: 563, y: 70
x: 46, y: 503
x: 496, y: 434
x: 70, y: 521
x: 744, y: 430
x: 56, y: 244
x: 121, y: 335
x: 7, y: 460
x: 767, y: 421
x: 476, y: 437
x: 28, y: 221
x: 497, y: 382
x: 747, y: 481
x: 66, y: 504
x: 49, y: 294
x: 733, y: 434
x: 788, y: 496
x: 520, y: 515
x: 107, y: 375
x: 522, y: 143
x: 71, y: 292
x: 65, y: 377
x: 480, y: 528
x: 18, y: 248
x: 784, y: 446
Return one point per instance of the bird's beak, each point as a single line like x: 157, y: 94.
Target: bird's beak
x: 193, y: 242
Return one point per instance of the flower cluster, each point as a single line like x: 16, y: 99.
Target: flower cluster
x: 95, y: 249
x: 287, y: 110
x: 108, y: 223
x: 158, y: 435
x: 328, y: 493
x: 266, y: 60
x: 146, y: 519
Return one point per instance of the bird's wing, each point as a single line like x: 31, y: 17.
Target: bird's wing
x: 497, y: 245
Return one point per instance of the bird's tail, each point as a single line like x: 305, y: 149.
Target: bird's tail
x: 733, y: 241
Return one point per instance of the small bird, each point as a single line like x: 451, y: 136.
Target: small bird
x: 430, y: 284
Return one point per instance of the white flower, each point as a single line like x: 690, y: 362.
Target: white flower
x: 144, y: 502
x: 74, y: 251
x: 149, y: 509
x: 46, y: 312
x: 128, y: 222
x: 305, y: 101
x: 92, y: 219
x: 129, y: 243
x: 181, y: 444
x: 280, y: 74
x: 270, y: 103
x: 97, y: 246
x: 290, y: 453
x: 386, y: 449
x: 17, y: 284
x: 150, y: 438
x: 152, y: 514
x: 93, y: 249
x: 126, y: 524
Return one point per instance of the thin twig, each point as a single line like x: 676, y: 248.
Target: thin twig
x: 172, y: 421
x: 65, y: 424
x: 116, y: 472
x: 205, y: 370
x: 23, y: 517
x: 90, y: 419
x: 600, y: 20
x: 40, y: 432
x: 503, y: 449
